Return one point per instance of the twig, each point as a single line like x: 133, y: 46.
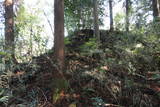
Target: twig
x: 48, y: 22
x: 112, y: 105
x: 43, y: 94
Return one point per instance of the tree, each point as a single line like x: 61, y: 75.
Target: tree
x: 79, y: 15
x: 9, y: 28
x: 59, y: 32
x: 128, y: 2
x: 96, y: 20
x: 111, y: 15
x: 156, y: 8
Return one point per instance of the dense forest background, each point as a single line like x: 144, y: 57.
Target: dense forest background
x: 80, y: 53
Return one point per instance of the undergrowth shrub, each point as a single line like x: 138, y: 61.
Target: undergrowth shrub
x: 3, y: 97
x: 138, y: 51
x: 5, y: 92
x: 90, y: 45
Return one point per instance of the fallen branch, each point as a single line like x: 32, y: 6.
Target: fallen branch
x: 112, y: 105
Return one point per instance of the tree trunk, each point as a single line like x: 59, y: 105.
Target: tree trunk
x: 127, y: 15
x: 59, y: 78
x: 59, y: 32
x: 156, y: 8
x: 159, y: 6
x: 9, y: 28
x: 111, y: 15
x: 96, y: 21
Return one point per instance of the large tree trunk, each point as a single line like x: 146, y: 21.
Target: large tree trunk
x: 111, y: 15
x: 59, y: 32
x: 58, y: 77
x: 96, y: 21
x: 156, y: 8
x: 9, y: 28
x: 127, y: 15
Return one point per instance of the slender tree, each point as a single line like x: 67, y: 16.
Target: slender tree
x: 159, y: 4
x: 127, y: 14
x: 156, y: 8
x: 9, y: 28
x: 111, y: 15
x: 59, y: 32
x: 96, y: 20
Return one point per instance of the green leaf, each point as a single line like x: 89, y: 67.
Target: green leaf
x: 156, y: 76
x: 2, y: 91
x: 4, y: 99
x: 3, y: 53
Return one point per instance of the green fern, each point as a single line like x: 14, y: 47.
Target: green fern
x: 3, y: 98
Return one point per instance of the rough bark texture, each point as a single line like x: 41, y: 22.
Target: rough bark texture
x: 59, y: 32
x: 111, y: 15
x: 127, y: 14
x: 9, y: 27
x: 156, y: 8
x: 96, y: 22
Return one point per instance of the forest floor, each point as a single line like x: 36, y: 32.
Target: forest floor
x: 91, y: 81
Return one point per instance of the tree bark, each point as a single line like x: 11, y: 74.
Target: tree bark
x: 127, y: 15
x: 59, y: 32
x: 156, y: 8
x: 96, y: 21
x: 9, y: 28
x: 111, y: 15
x: 159, y: 5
